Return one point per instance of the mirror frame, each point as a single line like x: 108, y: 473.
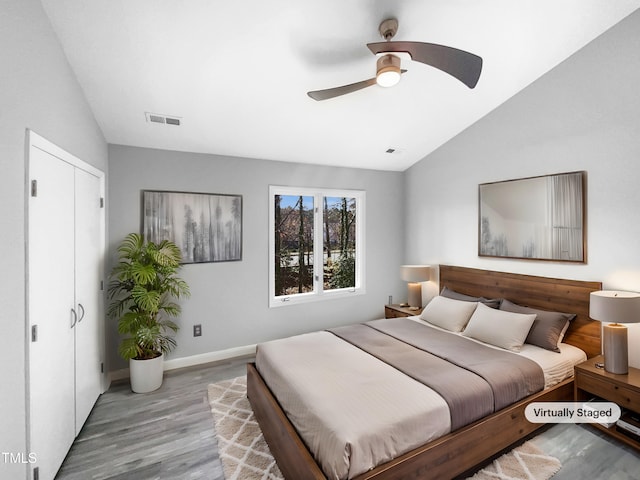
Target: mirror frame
x: 514, y: 197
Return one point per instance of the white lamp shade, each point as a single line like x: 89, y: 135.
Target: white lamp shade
x: 415, y: 273
x: 615, y: 306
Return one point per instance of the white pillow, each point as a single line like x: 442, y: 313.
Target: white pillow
x: 447, y: 313
x: 500, y: 328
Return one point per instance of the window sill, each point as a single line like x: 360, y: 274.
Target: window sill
x: 302, y: 298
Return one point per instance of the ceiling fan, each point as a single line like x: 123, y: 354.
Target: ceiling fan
x: 462, y: 65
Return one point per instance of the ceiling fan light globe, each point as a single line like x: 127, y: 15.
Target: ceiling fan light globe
x: 388, y: 70
x: 388, y: 79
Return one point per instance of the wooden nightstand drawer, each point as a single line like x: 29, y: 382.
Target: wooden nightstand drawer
x: 396, y: 311
x: 391, y: 313
x: 604, y: 388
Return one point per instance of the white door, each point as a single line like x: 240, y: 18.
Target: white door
x: 88, y: 260
x: 65, y: 306
x: 51, y: 319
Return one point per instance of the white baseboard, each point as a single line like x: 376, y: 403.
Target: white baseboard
x: 209, y: 357
x: 194, y: 360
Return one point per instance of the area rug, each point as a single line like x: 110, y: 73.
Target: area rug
x: 526, y: 462
x: 243, y: 450
x: 245, y: 455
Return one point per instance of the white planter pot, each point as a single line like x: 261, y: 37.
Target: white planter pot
x: 146, y: 375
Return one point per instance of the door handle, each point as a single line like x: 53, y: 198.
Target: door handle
x: 75, y: 317
x: 81, y: 312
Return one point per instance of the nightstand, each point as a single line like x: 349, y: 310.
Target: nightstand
x: 396, y: 311
x: 623, y: 390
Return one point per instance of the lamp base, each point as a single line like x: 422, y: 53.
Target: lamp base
x: 615, y: 347
x: 415, y: 295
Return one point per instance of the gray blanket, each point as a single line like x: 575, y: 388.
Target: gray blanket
x: 473, y: 379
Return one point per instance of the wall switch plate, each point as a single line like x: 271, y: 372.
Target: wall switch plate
x: 197, y: 330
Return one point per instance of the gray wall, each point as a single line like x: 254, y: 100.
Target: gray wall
x: 230, y: 299
x: 582, y: 115
x: 38, y: 91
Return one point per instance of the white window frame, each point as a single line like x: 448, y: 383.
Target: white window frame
x: 318, y: 293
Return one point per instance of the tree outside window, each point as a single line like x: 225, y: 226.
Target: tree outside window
x: 315, y: 243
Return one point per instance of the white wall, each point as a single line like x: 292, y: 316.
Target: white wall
x: 582, y: 115
x: 230, y: 299
x: 37, y: 91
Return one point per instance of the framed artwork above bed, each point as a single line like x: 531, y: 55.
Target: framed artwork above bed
x: 534, y: 218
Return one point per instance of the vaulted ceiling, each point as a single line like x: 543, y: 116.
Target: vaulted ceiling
x: 236, y: 73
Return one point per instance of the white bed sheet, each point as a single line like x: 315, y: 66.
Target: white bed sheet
x: 555, y: 366
x: 353, y: 419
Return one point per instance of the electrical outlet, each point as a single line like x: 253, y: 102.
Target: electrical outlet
x: 197, y: 330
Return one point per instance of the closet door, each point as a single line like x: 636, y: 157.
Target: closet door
x: 65, y: 315
x: 88, y: 259
x: 51, y: 318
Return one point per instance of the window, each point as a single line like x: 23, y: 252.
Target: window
x: 315, y: 244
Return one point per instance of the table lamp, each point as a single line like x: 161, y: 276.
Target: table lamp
x: 414, y: 274
x: 616, y: 307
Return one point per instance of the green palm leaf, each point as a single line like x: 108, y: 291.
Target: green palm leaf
x: 166, y: 254
x: 142, y: 287
x: 148, y: 300
x: 143, y: 273
x: 131, y: 245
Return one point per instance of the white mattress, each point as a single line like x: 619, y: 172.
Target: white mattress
x: 353, y: 419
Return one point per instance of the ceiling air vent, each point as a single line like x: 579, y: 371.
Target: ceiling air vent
x: 159, y: 118
x: 395, y: 151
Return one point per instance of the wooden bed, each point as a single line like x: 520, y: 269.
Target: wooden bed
x: 459, y: 451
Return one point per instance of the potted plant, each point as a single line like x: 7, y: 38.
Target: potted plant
x: 142, y: 291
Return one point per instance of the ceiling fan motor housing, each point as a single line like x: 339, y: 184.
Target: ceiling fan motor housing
x: 388, y: 28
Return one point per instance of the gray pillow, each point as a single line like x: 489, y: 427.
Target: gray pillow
x: 489, y: 302
x: 547, y: 327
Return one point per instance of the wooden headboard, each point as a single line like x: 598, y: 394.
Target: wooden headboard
x: 570, y: 296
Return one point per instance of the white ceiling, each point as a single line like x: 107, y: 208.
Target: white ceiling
x: 237, y: 72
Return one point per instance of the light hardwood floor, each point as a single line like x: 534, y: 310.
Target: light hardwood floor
x: 168, y: 434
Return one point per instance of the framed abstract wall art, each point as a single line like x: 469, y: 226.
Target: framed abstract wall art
x: 207, y: 227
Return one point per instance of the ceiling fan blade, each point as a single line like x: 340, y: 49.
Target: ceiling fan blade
x: 337, y: 91
x: 462, y: 65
